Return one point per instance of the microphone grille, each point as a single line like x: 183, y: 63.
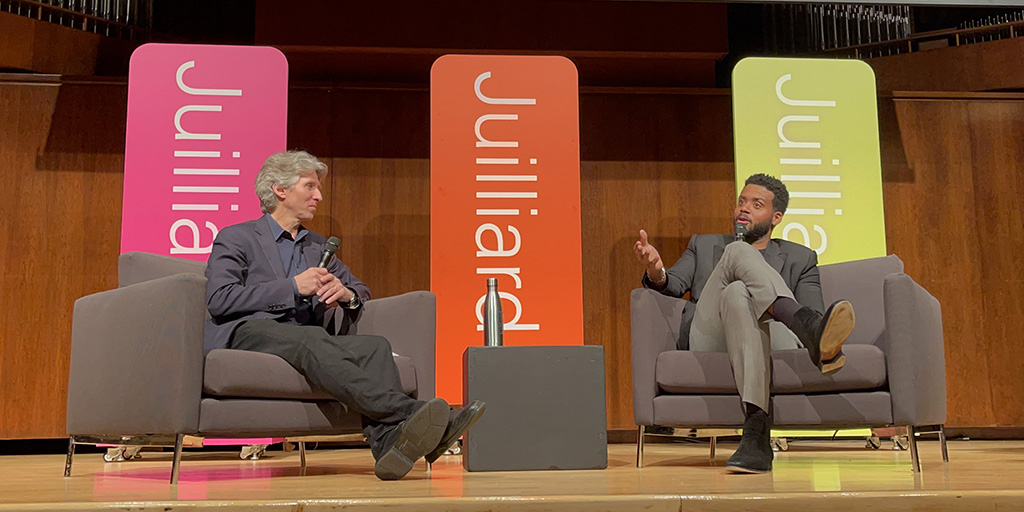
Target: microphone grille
x: 332, y: 244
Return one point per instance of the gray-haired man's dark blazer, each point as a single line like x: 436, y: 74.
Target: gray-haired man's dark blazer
x: 797, y: 265
x: 246, y: 279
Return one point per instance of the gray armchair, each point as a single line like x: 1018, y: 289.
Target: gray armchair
x: 894, y: 374
x: 139, y: 375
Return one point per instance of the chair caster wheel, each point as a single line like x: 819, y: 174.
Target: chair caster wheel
x: 456, y: 449
x: 900, y: 443
x: 253, y: 451
x: 873, y: 443
x: 779, y: 444
x: 122, y: 453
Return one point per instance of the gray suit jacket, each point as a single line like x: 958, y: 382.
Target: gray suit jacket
x: 246, y: 280
x: 797, y: 265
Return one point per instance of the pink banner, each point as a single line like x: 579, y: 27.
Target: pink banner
x: 201, y: 120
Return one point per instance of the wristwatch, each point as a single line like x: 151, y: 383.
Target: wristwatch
x: 353, y: 303
x: 662, y: 278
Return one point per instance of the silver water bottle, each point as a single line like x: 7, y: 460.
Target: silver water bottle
x: 493, y: 322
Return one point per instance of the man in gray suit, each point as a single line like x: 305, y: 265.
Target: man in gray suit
x: 747, y: 298
x: 266, y: 292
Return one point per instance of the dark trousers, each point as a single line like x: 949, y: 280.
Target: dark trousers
x: 359, y: 371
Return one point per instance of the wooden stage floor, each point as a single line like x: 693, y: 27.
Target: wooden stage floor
x: 813, y: 475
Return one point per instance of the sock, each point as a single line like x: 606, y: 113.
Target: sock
x: 752, y: 409
x: 784, y: 310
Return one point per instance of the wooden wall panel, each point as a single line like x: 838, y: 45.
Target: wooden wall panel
x: 661, y: 161
x: 987, y: 66
x: 931, y: 224
x: 952, y: 217
x: 59, y: 236
x: 998, y: 157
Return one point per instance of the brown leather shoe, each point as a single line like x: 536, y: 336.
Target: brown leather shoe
x: 824, y: 335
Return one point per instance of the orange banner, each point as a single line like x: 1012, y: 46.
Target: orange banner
x: 504, y: 203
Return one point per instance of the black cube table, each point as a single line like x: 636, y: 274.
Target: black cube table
x: 545, y: 408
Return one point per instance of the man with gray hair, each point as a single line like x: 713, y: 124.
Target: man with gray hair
x: 266, y: 293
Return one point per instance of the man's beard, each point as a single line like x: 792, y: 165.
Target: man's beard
x: 756, y: 231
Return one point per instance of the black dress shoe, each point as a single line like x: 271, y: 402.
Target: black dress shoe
x: 412, y: 439
x: 823, y: 335
x: 459, y: 423
x: 754, y: 455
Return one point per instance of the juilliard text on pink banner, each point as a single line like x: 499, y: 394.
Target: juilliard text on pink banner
x: 201, y: 120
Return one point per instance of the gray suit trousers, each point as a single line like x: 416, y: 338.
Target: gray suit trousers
x: 732, y: 317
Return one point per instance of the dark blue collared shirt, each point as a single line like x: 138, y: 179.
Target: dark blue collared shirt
x: 294, y: 264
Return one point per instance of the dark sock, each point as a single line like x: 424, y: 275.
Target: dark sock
x: 784, y: 310
x: 752, y: 409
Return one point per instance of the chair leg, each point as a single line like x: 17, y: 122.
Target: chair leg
x: 71, y: 454
x: 714, y: 443
x: 176, y: 462
x: 640, y: 447
x: 302, y: 458
x: 912, y: 441
x: 942, y: 444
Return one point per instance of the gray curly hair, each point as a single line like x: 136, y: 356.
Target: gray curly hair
x: 283, y: 169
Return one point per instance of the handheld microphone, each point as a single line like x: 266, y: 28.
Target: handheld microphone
x: 330, y: 248
x: 741, y: 231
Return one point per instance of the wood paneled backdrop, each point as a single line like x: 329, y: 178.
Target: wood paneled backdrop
x: 659, y: 160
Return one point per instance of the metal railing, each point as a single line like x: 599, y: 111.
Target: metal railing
x: 813, y: 28
x: 124, y: 19
x: 993, y: 28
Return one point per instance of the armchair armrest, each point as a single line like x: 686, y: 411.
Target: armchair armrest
x: 914, y: 351
x: 135, y: 267
x: 409, y: 322
x: 654, y: 328
x: 137, y: 359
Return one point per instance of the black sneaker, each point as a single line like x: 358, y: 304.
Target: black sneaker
x: 412, y: 439
x: 459, y: 423
x: 823, y: 335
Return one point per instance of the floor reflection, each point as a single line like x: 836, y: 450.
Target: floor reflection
x: 670, y: 469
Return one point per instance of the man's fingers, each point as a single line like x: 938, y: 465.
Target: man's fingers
x: 334, y: 294
x: 325, y: 290
x: 643, y: 237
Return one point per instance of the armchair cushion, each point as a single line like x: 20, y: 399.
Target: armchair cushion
x: 709, y: 373
x: 247, y: 374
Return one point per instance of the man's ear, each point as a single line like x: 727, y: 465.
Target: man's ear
x: 776, y: 218
x: 278, y: 191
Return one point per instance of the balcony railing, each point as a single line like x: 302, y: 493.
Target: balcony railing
x: 1004, y: 26
x: 813, y: 28
x: 124, y: 19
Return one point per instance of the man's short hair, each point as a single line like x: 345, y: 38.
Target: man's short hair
x: 283, y: 169
x: 780, y: 201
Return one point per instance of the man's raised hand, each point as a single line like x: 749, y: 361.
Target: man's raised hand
x: 648, y: 256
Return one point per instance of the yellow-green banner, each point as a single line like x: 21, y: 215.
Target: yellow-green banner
x: 813, y: 123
